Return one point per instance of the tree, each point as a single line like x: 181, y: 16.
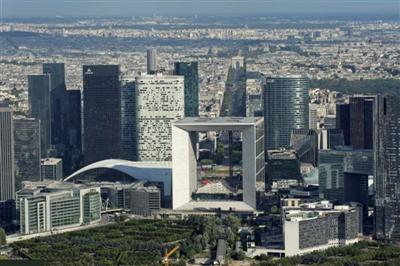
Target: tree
x: 238, y: 255
x: 3, y: 239
x: 274, y: 210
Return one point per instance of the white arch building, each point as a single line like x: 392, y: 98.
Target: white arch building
x: 184, y: 163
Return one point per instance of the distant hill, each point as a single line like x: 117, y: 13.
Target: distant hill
x: 370, y: 86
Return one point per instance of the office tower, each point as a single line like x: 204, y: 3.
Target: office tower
x: 58, y: 100
x: 285, y: 108
x: 40, y: 107
x: 159, y: 101
x: 361, y: 122
x: 343, y: 121
x: 26, y: 150
x: 101, y: 112
x: 144, y: 200
x: 189, y: 70
x: 318, y: 226
x: 313, y: 116
x: 334, y: 165
x: 51, y: 168
x: 7, y: 181
x: 330, y: 138
x: 128, y: 121
x: 254, y: 104
x: 282, y: 165
x: 305, y: 142
x: 387, y: 167
x: 65, y: 118
x: 151, y: 61
x: 72, y: 156
x: 356, y: 190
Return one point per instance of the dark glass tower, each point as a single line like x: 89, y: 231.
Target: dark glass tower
x: 285, y: 108
x: 27, y: 150
x: 190, y: 72
x: 343, y: 121
x: 72, y: 158
x: 40, y: 107
x: 387, y: 168
x: 7, y: 181
x: 128, y: 121
x: 58, y: 100
x: 101, y: 112
x: 361, y: 122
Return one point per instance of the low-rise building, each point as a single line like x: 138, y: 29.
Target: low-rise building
x: 58, y: 206
x: 51, y: 168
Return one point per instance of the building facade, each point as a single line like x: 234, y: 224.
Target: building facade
x: 7, y: 179
x: 159, y: 102
x: 361, y: 122
x: 51, y: 168
x: 128, y: 121
x: 285, y: 108
x: 26, y: 150
x: 343, y: 121
x: 151, y: 61
x: 189, y: 70
x: 144, y: 200
x: 310, y: 228
x: 387, y: 168
x: 58, y: 208
x: 184, y: 164
x: 40, y: 108
x: 101, y: 112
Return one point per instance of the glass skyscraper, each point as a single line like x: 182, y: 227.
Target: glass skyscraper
x: 128, y: 121
x: 285, y: 108
x: 27, y: 150
x: 361, y: 122
x: 58, y: 100
x: 101, y: 112
x: 189, y: 70
x: 40, y: 107
x: 7, y: 181
x: 387, y: 167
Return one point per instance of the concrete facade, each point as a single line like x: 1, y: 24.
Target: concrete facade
x: 184, y: 164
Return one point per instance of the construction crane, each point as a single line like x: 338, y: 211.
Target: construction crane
x: 168, y: 254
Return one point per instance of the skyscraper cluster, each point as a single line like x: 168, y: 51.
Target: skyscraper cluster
x: 114, y: 118
x: 134, y: 119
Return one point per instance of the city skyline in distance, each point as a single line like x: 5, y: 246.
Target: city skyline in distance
x: 125, y: 8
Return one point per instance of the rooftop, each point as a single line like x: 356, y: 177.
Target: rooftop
x: 50, y: 161
x: 218, y: 121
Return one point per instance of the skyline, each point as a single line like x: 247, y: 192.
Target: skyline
x: 125, y: 8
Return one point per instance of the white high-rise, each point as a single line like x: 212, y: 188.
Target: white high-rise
x: 160, y: 100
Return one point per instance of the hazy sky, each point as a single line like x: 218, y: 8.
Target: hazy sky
x: 79, y: 8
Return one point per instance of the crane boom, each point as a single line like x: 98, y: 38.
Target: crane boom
x: 168, y: 254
